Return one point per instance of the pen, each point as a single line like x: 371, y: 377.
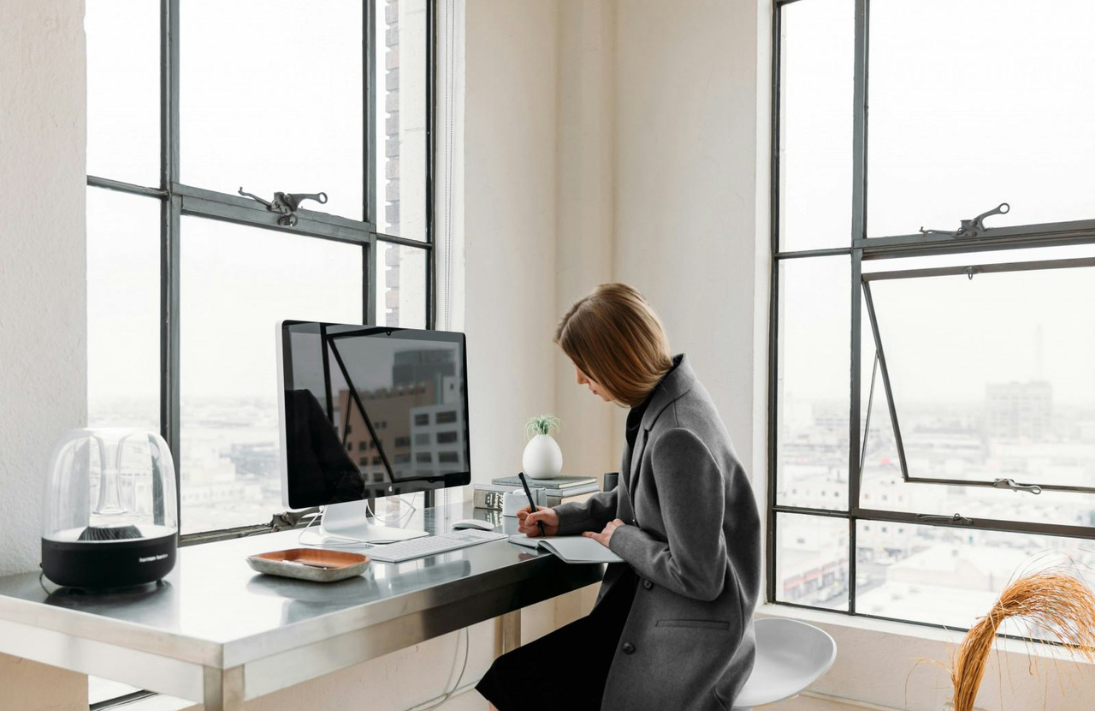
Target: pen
x: 531, y: 502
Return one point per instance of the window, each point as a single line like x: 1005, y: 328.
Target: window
x: 932, y: 270
x: 187, y: 275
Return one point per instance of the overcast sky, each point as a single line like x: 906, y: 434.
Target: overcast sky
x: 972, y: 103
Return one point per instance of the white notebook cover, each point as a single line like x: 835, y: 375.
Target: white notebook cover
x: 572, y: 549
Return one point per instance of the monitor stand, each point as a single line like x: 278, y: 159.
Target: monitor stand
x: 351, y: 520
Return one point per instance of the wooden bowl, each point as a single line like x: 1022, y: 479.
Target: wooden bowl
x: 314, y: 564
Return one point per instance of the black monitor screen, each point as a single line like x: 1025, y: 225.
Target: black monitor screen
x: 372, y: 411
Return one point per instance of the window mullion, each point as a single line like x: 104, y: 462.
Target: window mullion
x: 170, y: 410
x: 124, y: 187
x: 859, y: 231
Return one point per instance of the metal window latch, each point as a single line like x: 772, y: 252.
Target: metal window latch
x: 1010, y: 484
x: 972, y: 228
x: 957, y: 518
x: 287, y: 204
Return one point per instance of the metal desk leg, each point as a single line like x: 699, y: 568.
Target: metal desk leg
x: 224, y: 689
x: 511, y: 631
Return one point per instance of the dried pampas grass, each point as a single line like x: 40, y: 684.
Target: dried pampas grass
x: 1052, y: 600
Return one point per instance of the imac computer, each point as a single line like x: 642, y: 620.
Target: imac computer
x: 368, y: 411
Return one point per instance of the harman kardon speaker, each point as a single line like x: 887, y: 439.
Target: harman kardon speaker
x: 110, y: 509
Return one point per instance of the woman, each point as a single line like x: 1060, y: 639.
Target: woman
x: 671, y: 628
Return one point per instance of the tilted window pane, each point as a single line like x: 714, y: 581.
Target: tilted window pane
x: 812, y: 561
x: 883, y: 488
x: 816, y: 125
x: 123, y: 90
x: 237, y: 283
x: 272, y: 99
x: 401, y: 286
x: 978, y: 102
x: 949, y: 576
x: 991, y: 377
x: 813, y: 382
x: 123, y: 310
x: 401, y: 151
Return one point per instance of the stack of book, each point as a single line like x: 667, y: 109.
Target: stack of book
x: 548, y: 492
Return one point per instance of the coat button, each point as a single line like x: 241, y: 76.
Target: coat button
x: 628, y: 648
x: 647, y: 584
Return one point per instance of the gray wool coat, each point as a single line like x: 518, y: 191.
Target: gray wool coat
x: 692, y: 534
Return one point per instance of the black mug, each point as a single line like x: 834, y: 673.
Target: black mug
x: 611, y: 480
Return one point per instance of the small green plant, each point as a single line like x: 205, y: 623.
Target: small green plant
x: 542, y: 425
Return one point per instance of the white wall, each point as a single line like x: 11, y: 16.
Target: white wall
x: 43, y: 314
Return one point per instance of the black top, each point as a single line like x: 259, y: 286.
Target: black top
x: 635, y: 415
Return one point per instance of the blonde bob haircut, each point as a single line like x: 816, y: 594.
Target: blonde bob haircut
x: 617, y: 341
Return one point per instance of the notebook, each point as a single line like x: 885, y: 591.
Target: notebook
x: 572, y: 549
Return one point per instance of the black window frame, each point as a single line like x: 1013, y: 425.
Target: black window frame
x: 178, y: 199
x: 862, y: 248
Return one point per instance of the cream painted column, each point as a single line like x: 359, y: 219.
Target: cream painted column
x: 509, y: 224
x: 585, y: 213
x: 687, y: 193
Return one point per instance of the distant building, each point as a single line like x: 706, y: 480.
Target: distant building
x: 1018, y: 410
x: 418, y: 423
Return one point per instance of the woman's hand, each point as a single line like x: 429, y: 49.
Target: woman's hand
x: 527, y: 520
x: 606, y: 535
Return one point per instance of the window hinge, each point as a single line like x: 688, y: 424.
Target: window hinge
x: 287, y: 204
x: 957, y: 518
x: 1010, y: 484
x: 971, y: 228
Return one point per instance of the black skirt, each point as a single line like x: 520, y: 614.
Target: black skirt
x: 567, y: 668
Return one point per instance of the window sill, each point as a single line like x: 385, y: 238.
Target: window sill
x: 900, y: 634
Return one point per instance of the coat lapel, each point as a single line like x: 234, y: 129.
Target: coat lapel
x: 675, y: 384
x: 636, y: 458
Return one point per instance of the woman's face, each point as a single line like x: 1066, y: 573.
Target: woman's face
x: 593, y: 387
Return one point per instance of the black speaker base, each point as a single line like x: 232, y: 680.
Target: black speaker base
x: 108, y: 564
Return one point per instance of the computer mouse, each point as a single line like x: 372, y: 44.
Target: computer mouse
x: 473, y: 523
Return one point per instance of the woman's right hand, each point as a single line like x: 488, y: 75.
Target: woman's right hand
x: 527, y: 520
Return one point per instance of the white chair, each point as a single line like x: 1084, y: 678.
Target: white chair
x: 791, y: 655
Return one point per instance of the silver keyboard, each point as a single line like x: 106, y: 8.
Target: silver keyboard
x: 431, y: 545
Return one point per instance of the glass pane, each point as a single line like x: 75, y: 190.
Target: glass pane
x: 237, y: 283
x: 816, y: 124
x: 401, y: 286
x: 812, y: 561
x: 948, y: 576
x: 979, y: 102
x: 401, y: 61
x: 271, y: 99
x: 123, y: 310
x: 991, y: 377
x: 813, y: 382
x: 123, y: 90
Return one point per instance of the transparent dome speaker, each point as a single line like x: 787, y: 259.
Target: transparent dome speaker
x: 110, y: 509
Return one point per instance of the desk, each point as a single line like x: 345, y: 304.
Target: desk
x: 217, y: 632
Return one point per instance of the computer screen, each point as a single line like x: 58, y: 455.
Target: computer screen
x: 370, y: 411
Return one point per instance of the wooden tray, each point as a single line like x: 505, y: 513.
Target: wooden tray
x: 314, y: 564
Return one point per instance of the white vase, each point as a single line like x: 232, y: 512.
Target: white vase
x: 542, y: 458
